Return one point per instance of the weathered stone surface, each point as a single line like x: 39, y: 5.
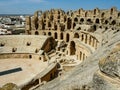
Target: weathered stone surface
x: 111, y: 64
x: 10, y: 86
x: 103, y: 82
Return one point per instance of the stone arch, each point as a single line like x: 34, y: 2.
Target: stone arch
x: 55, y: 26
x: 106, y: 21
x: 82, y: 37
x: 49, y: 33
x: 36, y: 33
x: 111, y: 11
x: 94, y: 27
x: 86, y: 38
x: 74, y: 24
x: 113, y: 22
x: 67, y: 37
x: 83, y: 56
x: 80, y: 55
x: 49, y: 24
x: 82, y: 20
x: 110, y: 18
x: 97, y: 21
x: 72, y: 48
x: 90, y: 40
x: 36, y: 23
x: 69, y: 21
x: 55, y: 35
x: 61, y: 35
x: 51, y: 18
x: 103, y: 14
x: 89, y: 20
x: 95, y: 11
x: 30, y: 56
x: 86, y: 14
x: 76, y: 35
x: 76, y: 19
x: 119, y: 14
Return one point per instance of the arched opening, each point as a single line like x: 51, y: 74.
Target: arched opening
x: 89, y: 21
x: 111, y: 11
x: 43, y: 26
x: 119, y: 14
x: 97, y: 21
x: 59, y: 17
x: 51, y: 18
x: 82, y: 38
x: 55, y: 26
x: 67, y: 37
x: 55, y: 35
x: 106, y: 21
x: 94, y: 27
x: 49, y: 24
x: 76, y: 35
x: 79, y: 28
x: 72, y: 48
x: 83, y: 56
x: 81, y: 20
x: 61, y: 36
x: 36, y: 33
x: 103, y: 14
x: 30, y: 56
x: 86, y: 14
x: 90, y: 40
x: 36, y: 23
x: 74, y: 25
x: 85, y: 38
x: 69, y: 23
x: 113, y: 22
x: 94, y: 11
x: 49, y: 33
x: 80, y: 55
x: 75, y: 19
x: 110, y: 18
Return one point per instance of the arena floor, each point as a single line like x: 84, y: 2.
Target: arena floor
x: 29, y: 68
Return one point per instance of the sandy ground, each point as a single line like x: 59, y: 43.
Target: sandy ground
x: 30, y: 68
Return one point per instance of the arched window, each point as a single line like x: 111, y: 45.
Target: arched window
x: 81, y: 20
x: 76, y: 35
x: 74, y: 25
x: 94, y: 11
x: 49, y: 33
x: 55, y: 35
x: 69, y: 23
x: 86, y: 14
x: 36, y: 33
x: 67, y: 37
x: 111, y: 11
x: 103, y: 14
x: 119, y: 14
x: 97, y: 21
x: 113, y: 22
x: 72, y: 48
x: 75, y: 19
x: 106, y: 21
x: 61, y: 36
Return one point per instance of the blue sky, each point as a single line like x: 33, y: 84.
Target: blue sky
x: 30, y: 6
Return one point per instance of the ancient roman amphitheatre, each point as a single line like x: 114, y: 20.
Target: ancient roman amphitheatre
x: 73, y: 50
